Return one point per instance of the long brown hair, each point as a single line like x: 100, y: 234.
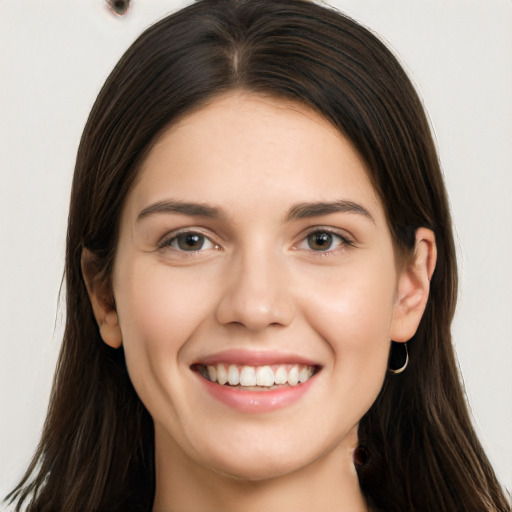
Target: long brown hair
x: 96, y: 451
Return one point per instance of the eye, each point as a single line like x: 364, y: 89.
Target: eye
x: 322, y: 240
x: 189, y: 241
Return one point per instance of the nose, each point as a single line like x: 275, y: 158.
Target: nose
x: 258, y: 292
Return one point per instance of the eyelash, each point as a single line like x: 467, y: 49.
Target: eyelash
x: 169, y: 241
x: 344, y: 242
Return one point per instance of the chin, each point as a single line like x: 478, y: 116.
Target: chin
x: 266, y: 460
x: 258, y: 470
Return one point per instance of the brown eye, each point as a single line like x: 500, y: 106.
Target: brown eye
x: 324, y: 241
x: 190, y: 241
x: 320, y: 241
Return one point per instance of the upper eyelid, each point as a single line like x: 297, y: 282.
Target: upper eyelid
x: 171, y: 235
x: 346, y: 242
x: 342, y: 233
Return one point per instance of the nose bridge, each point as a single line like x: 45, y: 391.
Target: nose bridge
x: 257, y: 293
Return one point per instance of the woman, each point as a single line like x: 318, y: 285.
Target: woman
x: 258, y: 230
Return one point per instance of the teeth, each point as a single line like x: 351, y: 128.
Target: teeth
x: 248, y: 376
x: 263, y: 376
x: 304, y: 374
x: 281, y: 375
x: 293, y: 376
x: 233, y: 375
x: 212, y: 373
x: 222, y: 374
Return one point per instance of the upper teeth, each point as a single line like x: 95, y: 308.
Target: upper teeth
x: 265, y: 376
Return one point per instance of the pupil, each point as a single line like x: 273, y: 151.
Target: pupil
x: 190, y: 242
x: 320, y: 241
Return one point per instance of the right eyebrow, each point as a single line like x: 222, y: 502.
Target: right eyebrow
x: 184, y: 208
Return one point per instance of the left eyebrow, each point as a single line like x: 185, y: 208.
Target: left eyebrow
x: 305, y: 210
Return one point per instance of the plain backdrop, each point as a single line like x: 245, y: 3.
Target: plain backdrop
x: 54, y: 57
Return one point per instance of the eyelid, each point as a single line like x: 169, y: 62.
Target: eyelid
x: 346, y: 239
x: 165, y: 241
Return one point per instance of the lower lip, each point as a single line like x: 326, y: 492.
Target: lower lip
x: 256, y: 401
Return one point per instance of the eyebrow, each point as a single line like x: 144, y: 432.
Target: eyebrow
x: 296, y: 212
x: 185, y: 208
x: 306, y: 210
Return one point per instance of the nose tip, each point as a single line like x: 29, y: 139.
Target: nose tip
x: 257, y: 296
x: 254, y: 316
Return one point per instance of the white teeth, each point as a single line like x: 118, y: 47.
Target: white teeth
x: 222, y: 374
x: 248, y: 376
x: 281, y: 375
x: 304, y: 374
x: 293, y: 376
x: 263, y: 376
x: 212, y: 373
x: 233, y: 375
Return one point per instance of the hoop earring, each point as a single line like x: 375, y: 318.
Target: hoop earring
x: 393, y: 358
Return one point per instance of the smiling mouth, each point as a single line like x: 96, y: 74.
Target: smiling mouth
x: 256, y: 378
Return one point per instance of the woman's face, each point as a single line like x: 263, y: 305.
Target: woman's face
x: 253, y: 248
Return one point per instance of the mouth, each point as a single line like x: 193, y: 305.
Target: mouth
x: 256, y: 381
x: 256, y: 378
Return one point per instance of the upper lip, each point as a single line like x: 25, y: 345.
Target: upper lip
x: 245, y: 357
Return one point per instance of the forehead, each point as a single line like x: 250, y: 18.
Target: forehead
x: 247, y: 151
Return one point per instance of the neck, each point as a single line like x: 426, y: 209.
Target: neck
x: 328, y: 483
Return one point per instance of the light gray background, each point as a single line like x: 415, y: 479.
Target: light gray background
x: 54, y: 56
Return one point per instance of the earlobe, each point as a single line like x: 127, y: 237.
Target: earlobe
x: 110, y: 330
x: 413, y: 287
x: 102, y: 304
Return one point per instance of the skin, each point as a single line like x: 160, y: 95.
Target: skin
x: 258, y: 284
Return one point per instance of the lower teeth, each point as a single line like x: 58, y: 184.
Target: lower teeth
x: 256, y: 388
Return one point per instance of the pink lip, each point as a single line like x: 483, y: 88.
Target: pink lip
x: 254, y: 358
x: 256, y: 401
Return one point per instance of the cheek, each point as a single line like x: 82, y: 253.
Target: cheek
x: 158, y: 311
x: 353, y: 313
x: 157, y: 304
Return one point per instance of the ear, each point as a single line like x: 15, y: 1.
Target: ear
x: 102, y: 302
x: 413, y: 287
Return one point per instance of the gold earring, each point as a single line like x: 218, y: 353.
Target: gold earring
x: 394, y: 358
